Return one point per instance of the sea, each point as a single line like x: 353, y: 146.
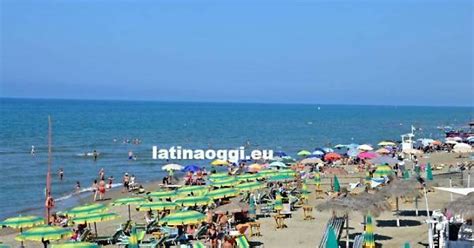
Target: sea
x: 81, y: 126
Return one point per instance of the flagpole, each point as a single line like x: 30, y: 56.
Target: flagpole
x: 48, y: 175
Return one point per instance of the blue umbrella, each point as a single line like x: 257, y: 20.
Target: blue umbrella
x: 191, y: 168
x: 352, y: 152
x: 384, y: 160
x: 280, y: 153
x: 319, y: 149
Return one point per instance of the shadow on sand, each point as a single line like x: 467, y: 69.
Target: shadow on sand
x: 393, y: 223
x: 412, y: 213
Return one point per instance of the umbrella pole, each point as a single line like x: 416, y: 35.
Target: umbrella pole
x: 95, y: 228
x: 426, y: 201
x: 129, y: 214
x: 21, y: 242
x: 416, y: 205
x: 450, y: 186
x: 397, y: 212
x: 347, y: 230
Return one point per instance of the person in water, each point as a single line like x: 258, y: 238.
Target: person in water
x: 95, y: 155
x: 32, y: 150
x: 111, y: 181
x: 130, y: 155
x: 78, y: 186
x: 61, y: 174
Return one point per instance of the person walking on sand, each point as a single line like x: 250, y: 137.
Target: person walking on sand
x: 101, y: 190
x: 111, y: 181
x: 61, y: 174
x: 94, y: 189
x: 126, y: 181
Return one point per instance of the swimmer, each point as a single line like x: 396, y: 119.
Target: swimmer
x: 61, y: 174
x: 32, y: 150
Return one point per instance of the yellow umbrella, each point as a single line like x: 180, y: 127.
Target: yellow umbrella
x: 219, y: 162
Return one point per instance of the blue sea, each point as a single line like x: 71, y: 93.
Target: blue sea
x: 81, y: 126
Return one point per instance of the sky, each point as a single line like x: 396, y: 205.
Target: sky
x: 328, y: 52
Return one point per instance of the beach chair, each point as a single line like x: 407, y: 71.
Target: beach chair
x: 84, y: 236
x: 201, y: 232
x: 199, y: 245
x: 243, y: 242
x: 118, y: 237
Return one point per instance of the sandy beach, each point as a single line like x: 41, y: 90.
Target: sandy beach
x: 307, y: 233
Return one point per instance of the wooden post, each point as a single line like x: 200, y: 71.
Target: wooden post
x: 397, y: 212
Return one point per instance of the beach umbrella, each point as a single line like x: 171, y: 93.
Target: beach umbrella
x: 336, y: 185
x: 406, y: 174
x: 250, y: 177
x: 157, y: 205
x: 463, y: 206
x: 267, y: 173
x: 365, y: 147
x: 280, y: 153
x: 429, y: 172
x: 278, y: 204
x: 191, y: 168
x: 222, y: 193
x: 193, y: 190
x: 193, y: 201
x: 352, y: 152
x: 331, y: 241
x: 280, y: 178
x: 387, y: 143
x: 21, y: 222
x: 255, y: 167
x: 383, y: 151
x: 162, y: 194
x: 303, y: 153
x: 133, y: 238
x: 172, y: 167
x: 44, y: 234
x: 86, y: 209
x: 250, y: 186
x: 382, y: 171
x: 75, y: 244
x: 94, y: 218
x: 219, y: 162
x: 462, y: 148
x: 198, y: 244
x: 252, y: 209
x: 384, y: 160
x: 128, y: 201
x: 340, y: 146
x: 308, y: 161
x: 407, y: 245
x: 369, y: 240
x: 225, y: 182
x: 401, y: 188
x: 317, y: 179
x: 287, y: 159
x: 220, y: 175
x: 367, y: 155
x: 181, y: 218
x: 278, y: 164
x: 332, y: 156
x: 285, y: 172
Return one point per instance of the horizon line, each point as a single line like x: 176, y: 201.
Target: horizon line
x: 232, y: 102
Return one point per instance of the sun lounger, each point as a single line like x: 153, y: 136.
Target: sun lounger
x: 243, y: 242
x: 85, y: 235
x: 337, y: 223
x: 358, y: 241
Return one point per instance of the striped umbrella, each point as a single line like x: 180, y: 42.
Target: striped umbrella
x: 225, y: 182
x: 94, y: 218
x: 181, y: 218
x: 331, y: 241
x: 278, y: 205
x: 158, y: 205
x: 198, y: 244
x: 251, y: 186
x: 250, y: 177
x: 75, y: 245
x: 286, y: 172
x: 382, y: 171
x: 162, y: 194
x: 128, y: 201
x: 192, y: 201
x: 222, y: 193
x: 280, y: 178
x: 44, y: 233
x: 369, y: 240
x: 193, y: 190
x: 317, y: 179
x: 429, y: 172
x: 86, y: 209
x: 255, y: 167
x: 266, y: 173
x: 220, y: 175
x: 22, y: 222
x: 336, y: 185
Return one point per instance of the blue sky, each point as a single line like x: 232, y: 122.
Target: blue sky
x: 345, y: 52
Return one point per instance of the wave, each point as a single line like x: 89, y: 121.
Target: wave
x: 82, y: 191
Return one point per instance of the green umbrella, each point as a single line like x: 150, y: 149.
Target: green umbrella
x: 44, y: 233
x: 133, y: 239
x: 22, y: 222
x: 86, y: 209
x: 406, y: 174
x: 128, y: 201
x: 382, y: 171
x: 181, y: 218
x: 266, y: 173
x: 280, y: 178
x: 193, y: 190
x: 218, y: 175
x: 192, y: 201
x: 407, y: 245
x: 198, y: 244
x: 317, y: 179
x: 289, y: 172
x: 336, y: 185
x: 303, y: 153
x: 225, y: 182
x: 331, y: 241
x: 251, y: 186
x: 158, y: 205
x: 250, y: 177
x: 162, y: 194
x: 222, y: 193
x: 278, y: 204
x: 94, y: 218
x: 429, y: 172
x: 252, y: 209
x: 75, y: 245
x: 369, y: 240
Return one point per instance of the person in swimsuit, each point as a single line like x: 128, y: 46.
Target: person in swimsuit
x: 212, y: 234
x: 111, y: 180
x: 126, y: 181
x: 94, y: 189
x: 49, y: 204
x: 61, y: 174
x: 101, y: 190
x: 102, y: 174
x: 78, y: 186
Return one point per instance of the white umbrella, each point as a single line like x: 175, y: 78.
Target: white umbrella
x: 462, y: 148
x: 451, y: 142
x: 311, y: 161
x: 365, y: 147
x: 278, y: 164
x: 172, y: 167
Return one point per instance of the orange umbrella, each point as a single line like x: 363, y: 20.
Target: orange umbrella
x: 383, y: 151
x: 332, y: 156
x: 436, y: 143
